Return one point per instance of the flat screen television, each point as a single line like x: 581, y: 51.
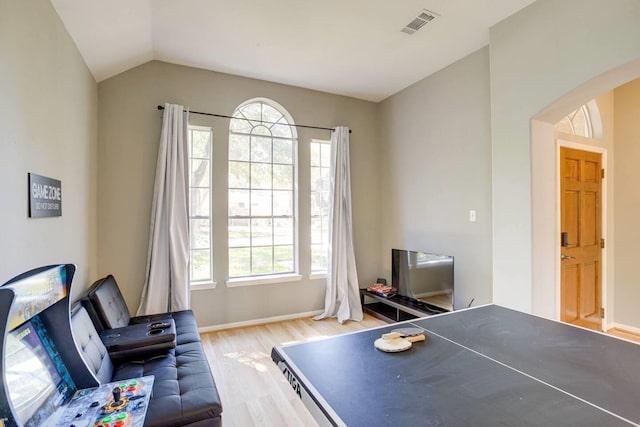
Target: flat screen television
x: 423, y: 276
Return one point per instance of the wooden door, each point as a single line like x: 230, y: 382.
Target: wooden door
x: 581, y: 239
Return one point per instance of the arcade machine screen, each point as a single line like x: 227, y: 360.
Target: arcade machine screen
x: 36, y: 386
x: 36, y: 379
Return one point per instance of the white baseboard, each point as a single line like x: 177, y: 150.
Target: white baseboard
x: 633, y: 329
x: 255, y: 322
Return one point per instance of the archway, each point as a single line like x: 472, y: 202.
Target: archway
x: 545, y: 196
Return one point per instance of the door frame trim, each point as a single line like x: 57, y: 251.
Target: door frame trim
x: 603, y: 226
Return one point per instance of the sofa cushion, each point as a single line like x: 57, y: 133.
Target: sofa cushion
x: 90, y: 346
x: 183, y: 390
x: 112, y: 311
x: 109, y: 303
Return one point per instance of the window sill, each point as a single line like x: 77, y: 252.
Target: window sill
x: 251, y: 281
x: 201, y: 286
x: 316, y: 276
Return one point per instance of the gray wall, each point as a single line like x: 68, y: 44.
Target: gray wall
x: 128, y: 134
x: 436, y: 166
x: 539, y: 55
x: 627, y: 199
x: 48, y: 118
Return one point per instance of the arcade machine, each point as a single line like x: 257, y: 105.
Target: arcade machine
x: 45, y: 382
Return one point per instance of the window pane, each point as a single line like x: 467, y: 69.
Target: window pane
x: 253, y: 111
x: 261, y: 192
x: 200, y: 201
x: 200, y: 234
x: 238, y: 175
x: 261, y: 203
x: 316, y: 230
x: 261, y: 130
x: 240, y: 125
x: 319, y: 204
x: 261, y: 175
x: 270, y: 114
x: 261, y: 232
x: 580, y: 123
x: 239, y: 262
x: 319, y: 255
x: 283, y: 259
x: 325, y: 229
x: 325, y: 155
x: 564, y: 125
x: 239, y: 232
x: 262, y: 260
x: 282, y: 130
x: 239, y: 147
x: 239, y: 202
x: 201, y: 144
x: 260, y: 149
x: 283, y: 203
x: 325, y: 179
x: 315, y: 153
x: 201, y: 265
x: 283, y: 231
x: 320, y: 183
x: 316, y: 205
x: 200, y: 259
x: 283, y: 177
x: 324, y: 205
x: 200, y: 173
x: 316, y: 179
x: 283, y: 151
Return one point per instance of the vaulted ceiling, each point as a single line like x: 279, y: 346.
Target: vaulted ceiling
x: 349, y: 47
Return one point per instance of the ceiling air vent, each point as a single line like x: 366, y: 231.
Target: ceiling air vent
x: 419, y: 21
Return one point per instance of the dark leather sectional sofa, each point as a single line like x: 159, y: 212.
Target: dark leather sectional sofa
x: 184, y: 392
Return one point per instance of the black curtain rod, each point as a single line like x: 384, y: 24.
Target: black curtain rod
x: 160, y: 107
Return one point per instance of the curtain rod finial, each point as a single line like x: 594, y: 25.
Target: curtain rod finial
x: 160, y: 107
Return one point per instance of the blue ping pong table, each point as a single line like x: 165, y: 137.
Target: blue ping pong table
x: 485, y: 366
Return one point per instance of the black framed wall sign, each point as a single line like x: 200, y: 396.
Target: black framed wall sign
x: 45, y: 196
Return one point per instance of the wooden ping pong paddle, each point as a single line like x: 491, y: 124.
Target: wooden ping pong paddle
x: 392, y: 345
x: 409, y: 334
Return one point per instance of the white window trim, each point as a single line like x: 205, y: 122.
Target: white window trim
x: 204, y: 284
x: 316, y: 274
x: 295, y: 274
x: 263, y: 280
x: 200, y: 286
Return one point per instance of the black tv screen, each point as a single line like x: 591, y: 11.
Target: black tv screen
x: 423, y: 276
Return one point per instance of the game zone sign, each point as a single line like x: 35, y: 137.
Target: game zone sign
x: 45, y: 196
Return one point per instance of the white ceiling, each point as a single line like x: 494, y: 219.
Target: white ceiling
x: 347, y: 47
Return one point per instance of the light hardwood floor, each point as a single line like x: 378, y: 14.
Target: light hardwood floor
x: 252, y: 389
x: 631, y: 336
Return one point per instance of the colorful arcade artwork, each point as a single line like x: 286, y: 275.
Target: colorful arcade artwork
x: 116, y: 404
x: 36, y: 293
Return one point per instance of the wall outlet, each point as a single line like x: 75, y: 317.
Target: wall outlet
x: 472, y: 215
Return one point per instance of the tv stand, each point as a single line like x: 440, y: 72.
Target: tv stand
x: 397, y: 308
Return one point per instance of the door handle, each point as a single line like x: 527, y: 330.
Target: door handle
x: 566, y: 257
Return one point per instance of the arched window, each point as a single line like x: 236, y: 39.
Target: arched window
x: 584, y: 121
x: 262, y: 190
